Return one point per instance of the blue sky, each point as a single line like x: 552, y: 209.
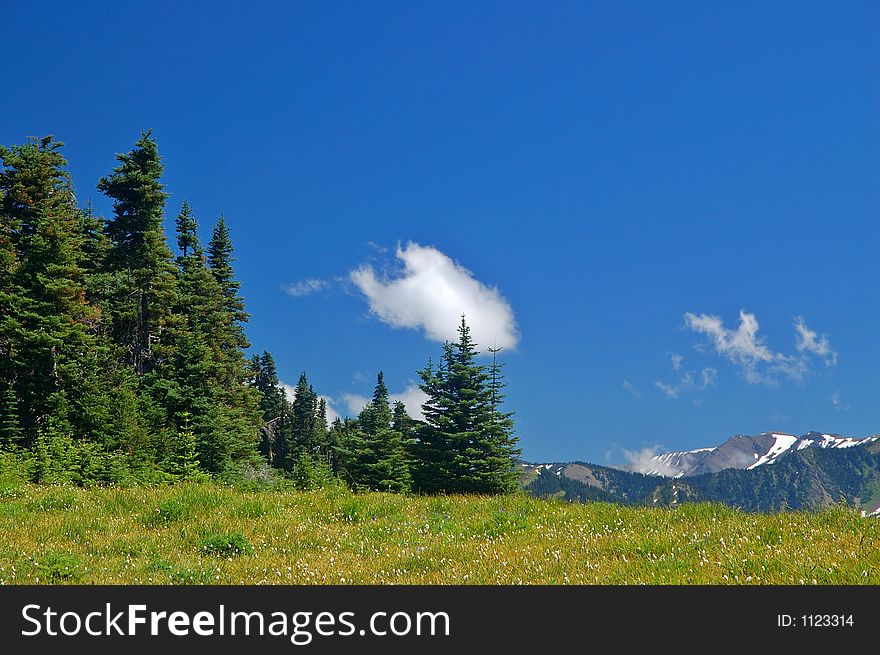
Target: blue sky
x: 666, y: 212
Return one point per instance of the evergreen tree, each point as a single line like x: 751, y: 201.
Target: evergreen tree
x: 304, y: 417
x: 187, y: 237
x: 407, y: 427
x: 466, y: 444
x: 48, y: 335
x: 143, y: 287
x: 264, y: 377
x: 185, y: 463
x: 199, y: 378
x: 10, y: 429
x: 374, y: 452
x: 302, y: 437
x: 322, y: 433
x: 220, y: 261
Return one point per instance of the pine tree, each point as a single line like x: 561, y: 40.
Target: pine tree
x: 185, y: 463
x: 264, y: 377
x: 10, y: 429
x: 322, y: 433
x: 304, y: 416
x: 187, y: 237
x: 220, y: 261
x: 407, y: 427
x: 302, y: 431
x: 374, y: 451
x: 466, y: 445
x: 199, y: 377
x: 144, y: 289
x: 48, y: 329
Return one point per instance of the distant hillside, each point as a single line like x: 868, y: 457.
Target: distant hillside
x: 809, y: 478
x: 739, y: 452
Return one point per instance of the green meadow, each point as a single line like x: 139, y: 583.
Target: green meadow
x: 212, y: 534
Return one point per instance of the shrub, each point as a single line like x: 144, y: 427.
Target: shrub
x: 59, y: 567
x: 169, y: 510
x: 227, y: 545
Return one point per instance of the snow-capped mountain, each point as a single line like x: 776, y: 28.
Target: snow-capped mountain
x: 739, y: 452
x: 809, y: 472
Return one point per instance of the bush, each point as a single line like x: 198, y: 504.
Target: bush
x: 227, y: 545
x: 59, y: 459
x: 59, y: 567
x: 169, y: 510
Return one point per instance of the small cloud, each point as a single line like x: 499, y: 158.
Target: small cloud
x: 676, y: 361
x: 669, y: 390
x: 305, y: 287
x: 431, y: 293
x: 687, y: 383
x: 643, y: 461
x: 742, y: 346
x: 354, y: 403
x: 838, y: 403
x: 332, y: 412
x: 809, y: 341
x: 708, y: 376
x: 289, y: 390
x: 748, y: 352
x: 629, y: 388
x: 412, y: 398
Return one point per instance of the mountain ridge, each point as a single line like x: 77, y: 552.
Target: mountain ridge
x: 739, y: 452
x: 808, y: 472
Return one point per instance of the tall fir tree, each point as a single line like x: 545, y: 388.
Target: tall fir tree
x: 195, y: 380
x: 143, y: 290
x: 304, y: 417
x: 374, y: 452
x: 48, y: 329
x: 467, y: 444
x: 264, y: 377
x: 10, y: 425
x: 220, y: 259
x: 299, y: 433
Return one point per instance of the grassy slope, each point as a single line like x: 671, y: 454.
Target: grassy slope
x: 164, y: 535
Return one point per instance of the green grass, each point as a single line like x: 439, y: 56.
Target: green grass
x: 207, y: 533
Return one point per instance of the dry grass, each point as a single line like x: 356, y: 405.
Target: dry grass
x: 206, y: 533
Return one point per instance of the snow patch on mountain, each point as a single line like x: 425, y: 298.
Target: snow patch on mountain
x: 783, y: 443
x: 738, y: 452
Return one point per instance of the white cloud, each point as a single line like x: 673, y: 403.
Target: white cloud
x: 708, y: 376
x: 332, y: 412
x: 432, y: 292
x: 746, y: 350
x: 289, y: 390
x: 627, y: 385
x: 741, y: 346
x: 642, y: 461
x: 669, y: 390
x: 676, y: 361
x: 354, y: 403
x: 838, y: 403
x: 305, y: 287
x: 412, y: 398
x: 809, y: 341
x: 687, y: 383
